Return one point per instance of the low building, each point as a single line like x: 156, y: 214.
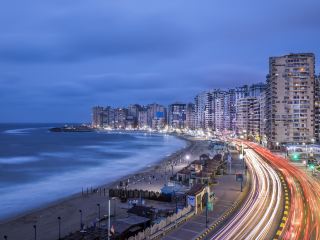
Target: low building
x: 202, y: 171
x: 196, y: 197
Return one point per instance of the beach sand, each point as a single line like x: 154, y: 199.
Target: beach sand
x: 150, y: 178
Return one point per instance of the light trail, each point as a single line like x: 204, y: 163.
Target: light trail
x: 304, y: 216
x: 256, y: 218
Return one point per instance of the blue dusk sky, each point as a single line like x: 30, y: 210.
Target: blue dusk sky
x: 59, y: 58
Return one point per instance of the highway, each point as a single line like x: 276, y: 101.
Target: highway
x: 259, y: 215
x: 304, y: 215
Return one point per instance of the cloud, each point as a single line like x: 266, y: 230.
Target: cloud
x: 62, y: 57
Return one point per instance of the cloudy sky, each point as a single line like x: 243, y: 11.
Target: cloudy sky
x: 60, y: 57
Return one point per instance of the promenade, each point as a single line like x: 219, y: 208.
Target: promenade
x: 227, y: 192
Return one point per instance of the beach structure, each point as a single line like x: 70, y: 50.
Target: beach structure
x: 197, y: 198
x: 201, y: 171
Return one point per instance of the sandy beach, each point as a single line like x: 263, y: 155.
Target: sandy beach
x: 150, y: 178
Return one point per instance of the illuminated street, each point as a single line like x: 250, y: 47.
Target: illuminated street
x: 258, y: 217
x: 304, y: 215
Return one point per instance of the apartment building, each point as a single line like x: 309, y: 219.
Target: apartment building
x: 290, y: 99
x: 317, y: 109
x: 177, y: 115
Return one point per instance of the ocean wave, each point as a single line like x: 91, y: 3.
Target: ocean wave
x: 19, y: 131
x: 18, y: 160
x: 104, y: 164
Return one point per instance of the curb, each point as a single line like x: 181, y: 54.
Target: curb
x: 220, y: 220
x: 228, y: 213
x: 284, y: 219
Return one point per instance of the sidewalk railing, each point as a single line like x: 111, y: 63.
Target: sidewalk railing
x: 157, y: 230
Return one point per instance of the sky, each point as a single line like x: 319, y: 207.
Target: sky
x: 59, y: 58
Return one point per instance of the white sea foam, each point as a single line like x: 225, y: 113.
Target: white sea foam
x: 19, y: 131
x: 18, y: 160
x: 63, y: 184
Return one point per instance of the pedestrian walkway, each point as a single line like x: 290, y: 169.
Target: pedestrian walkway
x: 227, y: 191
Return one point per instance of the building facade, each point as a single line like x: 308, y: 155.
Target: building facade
x: 217, y: 110
x: 143, y: 118
x: 133, y: 114
x: 177, y: 115
x: 97, y: 117
x: 317, y: 109
x: 157, y: 116
x: 203, y: 111
x: 120, y: 118
x: 290, y: 99
x: 190, y: 116
x: 248, y: 118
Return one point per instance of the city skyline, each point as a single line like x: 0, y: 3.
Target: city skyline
x: 58, y: 59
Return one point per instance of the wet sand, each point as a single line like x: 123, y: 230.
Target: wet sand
x: 150, y: 178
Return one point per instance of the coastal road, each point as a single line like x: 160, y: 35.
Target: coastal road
x: 304, y: 214
x: 259, y: 216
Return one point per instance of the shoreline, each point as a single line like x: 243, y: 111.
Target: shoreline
x: 103, y: 185
x: 36, y: 213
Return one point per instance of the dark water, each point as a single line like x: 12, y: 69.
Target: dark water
x: 38, y: 166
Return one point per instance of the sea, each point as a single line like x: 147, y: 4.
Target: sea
x: 38, y: 166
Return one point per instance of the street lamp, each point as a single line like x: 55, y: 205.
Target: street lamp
x: 172, y: 169
x: 35, y: 232
x: 207, y: 200
x: 304, y: 144
x: 109, y: 219
x: 59, y: 225
x: 81, y: 224
x: 98, y: 204
x: 115, y: 206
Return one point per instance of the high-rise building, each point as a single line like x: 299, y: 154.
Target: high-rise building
x: 157, y: 116
x: 232, y: 109
x: 190, y: 116
x: 221, y: 110
x: 177, y: 115
x: 143, y: 118
x: 97, y: 116
x: 248, y: 118
x: 317, y: 109
x: 120, y: 117
x: 253, y: 90
x: 132, y: 117
x: 103, y: 117
x: 108, y: 117
x: 203, y: 111
x: 217, y: 109
x: 290, y: 99
x: 262, y: 104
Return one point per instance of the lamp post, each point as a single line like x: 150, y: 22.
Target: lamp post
x: 311, y: 149
x: 187, y: 158
x: 109, y: 220
x: 307, y: 155
x: 81, y: 224
x: 35, y: 232
x: 207, y: 199
x: 114, y: 207
x: 59, y: 227
x: 98, y: 205
x: 171, y: 169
